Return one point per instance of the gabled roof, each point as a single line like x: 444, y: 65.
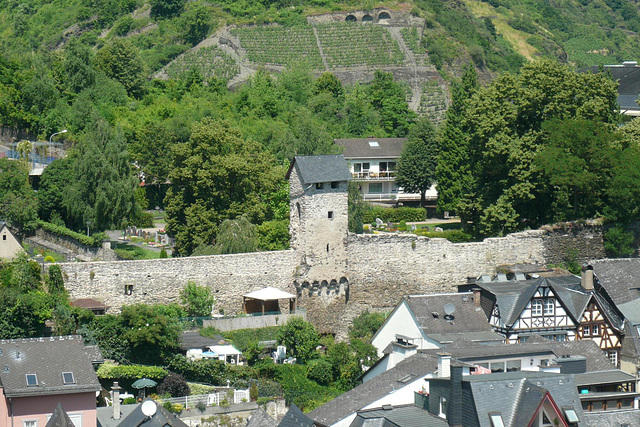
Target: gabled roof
x: 366, y: 148
x: 162, y: 418
x: 512, y: 296
x: 260, y: 418
x: 327, y: 168
x: 89, y: 304
x: 59, y: 418
x: 47, y: 359
x: 400, y: 416
x: 191, y: 339
x: 518, y: 395
x: 429, y: 313
x: 409, y: 370
x: 620, y: 277
x: 295, y: 418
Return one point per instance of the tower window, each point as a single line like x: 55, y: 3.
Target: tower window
x: 319, y: 185
x: 128, y: 289
x: 4, y: 237
x: 334, y: 184
x: 330, y: 215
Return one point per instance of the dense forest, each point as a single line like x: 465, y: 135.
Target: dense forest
x: 87, y: 65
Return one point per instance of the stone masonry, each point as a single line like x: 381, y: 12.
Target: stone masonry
x: 335, y: 274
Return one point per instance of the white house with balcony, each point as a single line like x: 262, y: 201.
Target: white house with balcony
x: 372, y: 163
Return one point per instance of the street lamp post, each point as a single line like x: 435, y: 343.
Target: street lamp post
x: 51, y: 139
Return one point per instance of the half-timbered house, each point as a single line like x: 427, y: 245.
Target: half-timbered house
x: 560, y: 308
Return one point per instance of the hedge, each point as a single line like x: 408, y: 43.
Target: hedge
x: 454, y: 236
x: 130, y: 372
x: 95, y: 240
x: 394, y: 214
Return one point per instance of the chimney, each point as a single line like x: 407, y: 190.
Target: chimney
x: 476, y: 297
x: 444, y: 365
x: 587, y: 278
x: 115, y: 392
x: 454, y: 404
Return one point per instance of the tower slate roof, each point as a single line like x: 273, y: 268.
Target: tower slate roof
x: 314, y: 169
x: 620, y: 277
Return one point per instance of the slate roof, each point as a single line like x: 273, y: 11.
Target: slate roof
x: 410, y: 369
x: 512, y: 296
x: 59, y: 418
x: 94, y: 354
x: 359, y: 148
x: 628, y: 79
x: 466, y: 351
x: 313, y: 169
x: 613, y: 376
x: 401, y: 416
x: 466, y: 319
x: 162, y: 418
x: 295, y: 418
x: 47, y: 358
x: 517, y: 395
x: 104, y: 414
x: 190, y: 339
x: 613, y: 418
x: 260, y: 418
x: 620, y: 277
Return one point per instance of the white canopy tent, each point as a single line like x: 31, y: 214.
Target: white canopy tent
x: 269, y: 295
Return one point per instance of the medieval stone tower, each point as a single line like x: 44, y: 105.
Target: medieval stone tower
x: 319, y: 220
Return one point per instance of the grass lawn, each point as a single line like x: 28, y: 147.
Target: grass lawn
x: 125, y: 251
x: 45, y: 253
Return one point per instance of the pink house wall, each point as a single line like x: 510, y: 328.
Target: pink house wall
x: 40, y: 407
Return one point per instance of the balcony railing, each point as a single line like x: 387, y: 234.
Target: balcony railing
x: 374, y: 176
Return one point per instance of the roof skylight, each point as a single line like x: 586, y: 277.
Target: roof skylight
x: 32, y: 380
x: 374, y: 144
x: 67, y: 378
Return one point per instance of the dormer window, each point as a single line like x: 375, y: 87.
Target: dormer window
x: 32, y: 380
x: 67, y: 378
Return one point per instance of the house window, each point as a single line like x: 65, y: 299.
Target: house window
x: 319, y: 185
x: 375, y: 187
x: 496, y: 420
x: 67, y: 378
x: 4, y: 237
x: 32, y: 380
x: 536, y: 307
x: 497, y: 367
x: 361, y: 168
x: 586, y: 330
x: 335, y: 184
x: 613, y: 357
x: 549, y: 307
x: 443, y: 407
x: 330, y: 215
x: 513, y: 365
x: 595, y: 330
x: 30, y: 423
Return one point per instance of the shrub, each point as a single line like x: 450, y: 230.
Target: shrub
x: 129, y: 401
x: 618, y: 243
x: 112, y: 371
x: 175, y: 385
x: 402, y: 226
x: 320, y: 371
x: 163, y: 253
x: 253, y: 392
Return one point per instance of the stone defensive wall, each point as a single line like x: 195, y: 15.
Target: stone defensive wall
x: 379, y: 270
x: 119, y: 283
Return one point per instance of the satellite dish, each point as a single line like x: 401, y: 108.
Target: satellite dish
x: 149, y: 408
x: 449, y: 309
